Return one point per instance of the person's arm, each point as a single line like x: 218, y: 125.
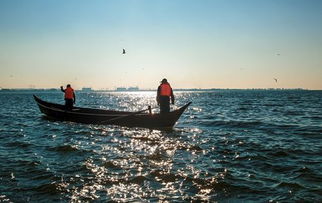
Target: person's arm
x: 172, y: 97
x: 61, y: 88
x: 158, y: 95
x: 74, y: 97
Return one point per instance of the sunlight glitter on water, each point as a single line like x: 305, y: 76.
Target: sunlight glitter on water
x: 136, y: 101
x: 135, y: 154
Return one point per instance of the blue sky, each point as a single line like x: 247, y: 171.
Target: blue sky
x: 195, y: 44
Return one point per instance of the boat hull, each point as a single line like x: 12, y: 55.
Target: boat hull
x: 109, y: 117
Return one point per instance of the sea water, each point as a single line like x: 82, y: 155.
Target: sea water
x: 229, y: 145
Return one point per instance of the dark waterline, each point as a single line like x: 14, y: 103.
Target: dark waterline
x: 230, y: 145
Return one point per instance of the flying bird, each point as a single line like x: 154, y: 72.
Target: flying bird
x: 124, y: 51
x: 275, y: 80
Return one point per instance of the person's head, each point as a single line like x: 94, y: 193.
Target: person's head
x: 68, y: 85
x: 164, y: 81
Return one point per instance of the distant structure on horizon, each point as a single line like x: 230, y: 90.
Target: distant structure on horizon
x: 133, y: 89
x: 120, y: 89
x: 87, y: 89
x: 127, y: 89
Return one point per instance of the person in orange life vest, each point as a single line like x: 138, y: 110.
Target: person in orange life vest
x: 163, y: 96
x: 70, y: 97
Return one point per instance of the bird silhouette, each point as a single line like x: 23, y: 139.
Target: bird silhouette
x: 275, y: 80
x: 124, y: 51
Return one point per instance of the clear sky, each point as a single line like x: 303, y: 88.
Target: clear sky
x: 192, y: 43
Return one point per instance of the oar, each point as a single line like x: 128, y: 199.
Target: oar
x: 128, y: 115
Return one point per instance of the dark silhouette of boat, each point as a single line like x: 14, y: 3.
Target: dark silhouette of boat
x: 110, y: 117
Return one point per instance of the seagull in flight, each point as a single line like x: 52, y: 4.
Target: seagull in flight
x: 123, y: 51
x: 275, y: 80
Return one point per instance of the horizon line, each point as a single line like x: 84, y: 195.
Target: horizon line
x: 147, y: 89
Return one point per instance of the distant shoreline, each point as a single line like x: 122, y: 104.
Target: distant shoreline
x: 149, y: 90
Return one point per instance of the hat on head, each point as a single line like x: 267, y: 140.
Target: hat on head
x: 164, y: 80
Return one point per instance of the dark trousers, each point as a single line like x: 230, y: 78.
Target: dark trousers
x: 164, y: 104
x: 69, y: 104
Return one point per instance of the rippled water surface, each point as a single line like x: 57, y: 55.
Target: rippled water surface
x: 230, y: 145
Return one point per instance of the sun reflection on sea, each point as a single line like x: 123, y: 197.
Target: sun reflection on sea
x: 135, y: 101
x: 136, y: 164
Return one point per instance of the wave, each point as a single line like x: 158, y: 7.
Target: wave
x: 19, y: 144
x: 289, y: 185
x: 231, y: 123
x: 307, y: 174
x: 65, y: 148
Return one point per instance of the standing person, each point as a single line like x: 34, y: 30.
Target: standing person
x: 70, y: 97
x: 163, y: 96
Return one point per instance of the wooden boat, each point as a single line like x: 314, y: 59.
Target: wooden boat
x: 110, y: 117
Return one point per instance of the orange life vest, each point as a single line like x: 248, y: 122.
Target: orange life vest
x: 69, y: 93
x: 165, y: 89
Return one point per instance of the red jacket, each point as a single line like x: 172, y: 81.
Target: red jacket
x: 165, y: 90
